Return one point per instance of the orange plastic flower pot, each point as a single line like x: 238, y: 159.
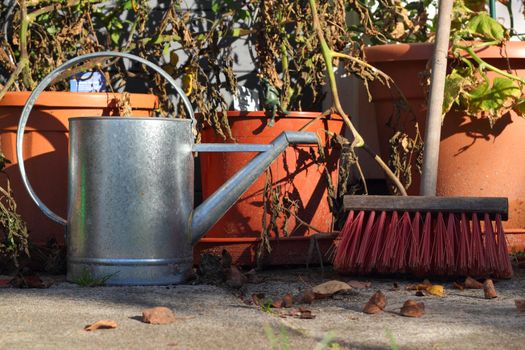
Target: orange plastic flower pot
x: 474, y: 159
x: 293, y: 173
x: 46, y: 149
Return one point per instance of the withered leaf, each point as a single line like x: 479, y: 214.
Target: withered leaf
x: 412, y: 308
x: 359, y: 284
x: 489, y: 289
x: 520, y: 304
x: 102, y: 324
x: 287, y: 300
x: 158, y: 315
x: 436, y: 290
x: 329, y: 288
x: 307, y: 297
x: 258, y: 299
x: 235, y: 278
x: 471, y: 283
x: 459, y: 286
x: 375, y: 304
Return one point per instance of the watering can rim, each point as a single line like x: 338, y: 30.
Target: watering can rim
x: 95, y: 118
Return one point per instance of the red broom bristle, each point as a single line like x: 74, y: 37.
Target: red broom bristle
x: 450, y: 238
x: 476, y: 248
x: 387, y: 254
x: 400, y: 256
x: 378, y: 239
x: 504, y: 266
x: 491, y: 254
x: 366, y: 242
x: 425, y: 250
x: 343, y: 242
x: 413, y: 251
x: 438, y: 246
x: 464, y: 259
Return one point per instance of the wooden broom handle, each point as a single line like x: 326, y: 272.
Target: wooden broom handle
x: 435, y: 108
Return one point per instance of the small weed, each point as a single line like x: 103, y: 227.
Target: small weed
x: 87, y: 279
x: 392, y: 340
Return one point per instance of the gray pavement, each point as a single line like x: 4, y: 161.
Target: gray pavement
x: 211, y: 317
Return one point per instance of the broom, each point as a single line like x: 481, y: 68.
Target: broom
x: 426, y: 235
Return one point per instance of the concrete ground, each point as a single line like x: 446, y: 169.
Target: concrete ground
x: 211, y: 317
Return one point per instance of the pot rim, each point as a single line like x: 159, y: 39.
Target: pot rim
x: 423, y: 51
x: 66, y: 99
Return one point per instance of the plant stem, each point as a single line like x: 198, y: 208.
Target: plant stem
x: 24, y: 33
x: 328, y: 56
x: 484, y: 64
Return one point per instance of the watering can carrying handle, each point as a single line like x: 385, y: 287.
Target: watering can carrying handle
x: 48, y: 80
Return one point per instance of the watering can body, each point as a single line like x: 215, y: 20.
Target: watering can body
x: 131, y: 218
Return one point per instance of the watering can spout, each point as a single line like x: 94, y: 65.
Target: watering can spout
x: 213, y: 208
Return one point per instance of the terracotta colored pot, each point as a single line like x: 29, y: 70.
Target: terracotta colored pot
x: 46, y: 148
x: 304, y: 181
x: 474, y: 160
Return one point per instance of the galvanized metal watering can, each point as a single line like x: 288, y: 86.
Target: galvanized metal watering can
x: 131, y: 217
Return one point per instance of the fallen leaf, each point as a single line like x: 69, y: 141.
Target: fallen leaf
x: 375, y: 304
x: 258, y: 299
x: 277, y: 303
x: 307, y: 297
x: 459, y: 286
x: 158, y: 315
x: 306, y: 314
x: 287, y: 300
x: 420, y: 294
x: 235, y: 278
x: 359, y: 284
x: 395, y: 287
x: 102, y: 324
x: 420, y: 286
x: 412, y: 308
x: 489, y: 289
x: 520, y: 304
x: 436, y: 290
x: 329, y: 288
x: 471, y: 283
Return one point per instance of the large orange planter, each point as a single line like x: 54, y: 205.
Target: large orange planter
x: 296, y: 174
x: 475, y: 160
x: 46, y: 148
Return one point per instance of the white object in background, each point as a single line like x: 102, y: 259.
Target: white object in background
x: 87, y: 82
x: 246, y: 99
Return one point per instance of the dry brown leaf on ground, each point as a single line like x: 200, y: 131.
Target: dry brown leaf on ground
x: 359, y: 284
x: 287, y: 300
x: 489, y: 289
x: 471, y: 283
x: 158, y: 315
x: 277, y: 303
x: 102, y: 324
x: 420, y: 286
x: 375, y: 304
x: 327, y: 289
x: 307, y: 297
x: 301, y: 313
x: 31, y: 281
x: 459, y: 286
x: 436, y: 290
x: 520, y: 304
x: 258, y: 299
x: 412, y: 308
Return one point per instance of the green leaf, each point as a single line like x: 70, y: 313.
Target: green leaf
x: 128, y: 5
x: 495, y: 100
x: 485, y: 26
x: 115, y: 36
x: 51, y: 30
x: 215, y: 6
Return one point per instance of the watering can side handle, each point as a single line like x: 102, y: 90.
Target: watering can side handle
x: 48, y: 80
